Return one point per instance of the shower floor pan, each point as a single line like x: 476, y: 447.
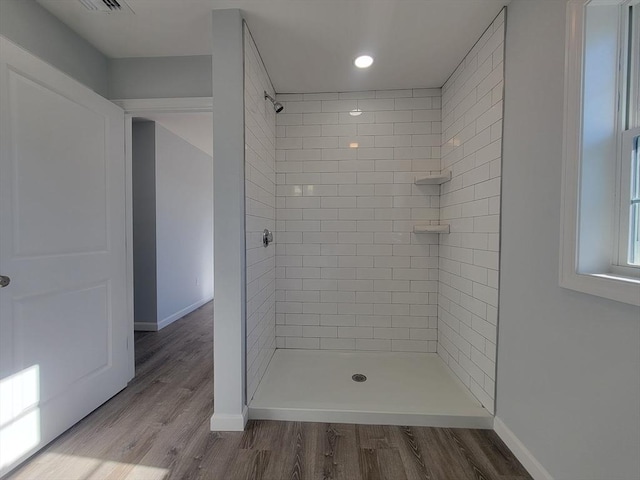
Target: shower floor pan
x: 400, y: 389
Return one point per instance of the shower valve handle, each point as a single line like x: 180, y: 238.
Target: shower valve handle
x: 267, y: 237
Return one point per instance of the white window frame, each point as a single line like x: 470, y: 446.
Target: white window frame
x: 621, y: 252
x: 627, y: 135
x: 611, y: 283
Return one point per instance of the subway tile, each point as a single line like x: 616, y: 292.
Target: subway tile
x: 362, y: 190
x: 321, y: 261
x: 334, y: 130
x: 373, y: 320
x: 405, y: 321
x: 320, y: 96
x: 339, y: 202
x: 417, y: 128
x: 339, y: 225
x: 337, y: 344
x: 383, y: 345
x: 338, y: 273
x: 357, y: 165
x: 393, y: 93
x: 303, y: 107
x: 394, y: 117
x: 356, y: 285
x: 378, y: 104
x: 374, y: 273
x: 288, y: 330
x: 356, y: 142
x: 338, y: 320
x: 314, y: 331
x: 319, y: 284
x: 338, y: 249
x: 386, y: 278
x: 355, y: 332
x: 339, y: 105
x: 337, y: 296
x: 320, y: 119
x: 376, y: 129
x: 391, y: 333
x: 409, y: 346
x: 374, y: 250
x: 357, y: 95
x: 338, y: 153
x: 365, y: 117
x: 302, y: 343
x: 320, y: 308
x: 419, y: 103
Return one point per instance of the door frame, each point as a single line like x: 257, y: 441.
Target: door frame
x: 138, y: 107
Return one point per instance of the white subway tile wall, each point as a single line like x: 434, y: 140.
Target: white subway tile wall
x: 470, y: 203
x: 260, y: 208
x: 350, y: 273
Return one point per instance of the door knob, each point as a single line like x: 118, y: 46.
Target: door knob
x: 4, y: 281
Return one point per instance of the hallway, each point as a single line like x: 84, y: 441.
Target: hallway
x: 158, y: 428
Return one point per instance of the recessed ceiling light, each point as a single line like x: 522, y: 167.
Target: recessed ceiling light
x: 355, y: 112
x: 363, y: 61
x: 353, y: 145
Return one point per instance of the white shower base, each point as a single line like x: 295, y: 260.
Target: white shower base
x: 401, y: 389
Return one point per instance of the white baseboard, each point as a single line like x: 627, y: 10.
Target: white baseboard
x: 145, y: 326
x: 522, y: 453
x: 154, y: 327
x: 222, y: 422
x: 181, y: 313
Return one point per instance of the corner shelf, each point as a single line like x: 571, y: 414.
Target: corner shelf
x: 433, y: 179
x: 431, y: 229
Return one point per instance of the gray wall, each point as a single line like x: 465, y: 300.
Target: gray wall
x: 184, y: 225
x: 568, y: 381
x: 29, y: 25
x: 173, y: 226
x: 144, y: 221
x: 160, y: 77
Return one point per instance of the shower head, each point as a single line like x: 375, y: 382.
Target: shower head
x: 277, y: 106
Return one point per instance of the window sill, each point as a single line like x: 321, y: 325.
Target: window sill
x: 607, y: 285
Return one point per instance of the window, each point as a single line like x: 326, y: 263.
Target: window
x: 600, y: 240
x: 629, y: 169
x: 629, y: 241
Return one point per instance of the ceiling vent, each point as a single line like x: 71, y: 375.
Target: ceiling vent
x: 106, y: 6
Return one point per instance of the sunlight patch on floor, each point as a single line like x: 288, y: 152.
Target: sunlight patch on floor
x: 87, y: 468
x: 19, y: 415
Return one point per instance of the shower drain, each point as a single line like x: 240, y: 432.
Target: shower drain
x: 358, y: 377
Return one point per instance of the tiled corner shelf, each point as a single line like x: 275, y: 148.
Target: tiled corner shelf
x: 431, y: 229
x: 433, y: 179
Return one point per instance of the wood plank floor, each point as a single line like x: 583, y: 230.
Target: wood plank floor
x: 158, y: 429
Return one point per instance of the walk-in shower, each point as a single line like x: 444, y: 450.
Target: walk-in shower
x: 384, y: 261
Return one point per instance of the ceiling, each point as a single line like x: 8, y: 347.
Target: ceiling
x: 307, y: 45
x: 195, y: 128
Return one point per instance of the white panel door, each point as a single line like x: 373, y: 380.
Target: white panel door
x: 64, y: 331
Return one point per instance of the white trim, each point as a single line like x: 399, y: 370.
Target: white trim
x: 222, y: 422
x: 181, y: 313
x: 484, y: 422
x: 145, y: 326
x: 128, y: 179
x: 139, y: 106
x: 569, y: 277
x: 522, y: 453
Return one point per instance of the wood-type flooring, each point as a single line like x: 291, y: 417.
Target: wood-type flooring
x: 158, y: 429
